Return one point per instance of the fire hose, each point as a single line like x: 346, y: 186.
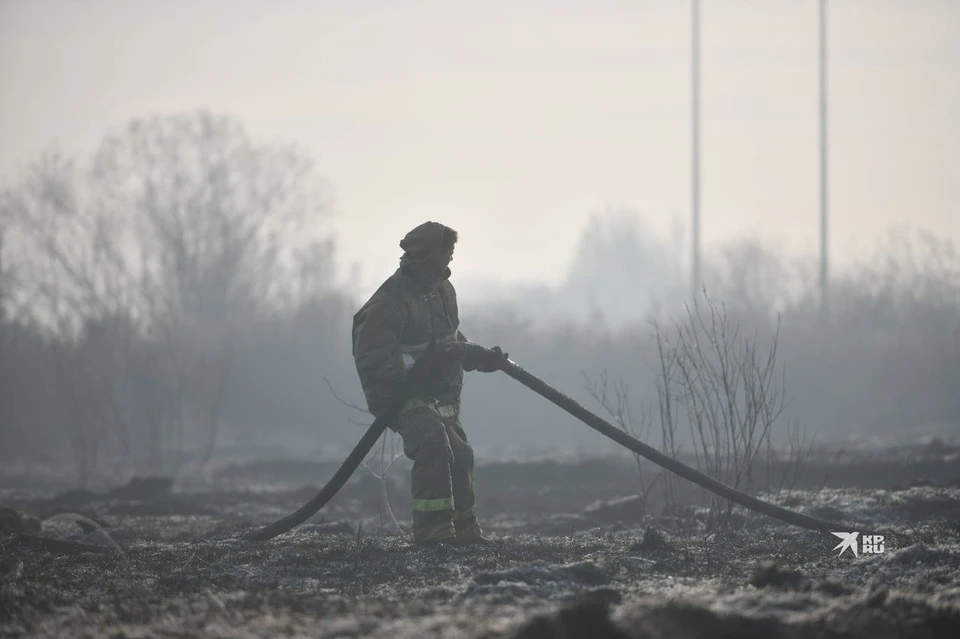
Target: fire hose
x: 424, y: 368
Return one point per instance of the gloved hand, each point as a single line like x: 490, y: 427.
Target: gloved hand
x: 488, y: 361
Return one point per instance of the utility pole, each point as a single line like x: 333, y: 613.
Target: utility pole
x: 824, y: 265
x: 697, y: 280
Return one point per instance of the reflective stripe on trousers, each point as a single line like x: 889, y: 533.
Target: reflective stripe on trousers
x: 431, y: 505
x: 442, y: 474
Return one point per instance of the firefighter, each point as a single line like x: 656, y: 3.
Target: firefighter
x: 413, y: 307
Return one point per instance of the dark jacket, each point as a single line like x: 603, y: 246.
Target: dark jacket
x: 411, y: 308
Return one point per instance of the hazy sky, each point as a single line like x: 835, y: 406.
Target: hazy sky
x: 515, y: 121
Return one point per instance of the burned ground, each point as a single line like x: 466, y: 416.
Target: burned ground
x: 574, y: 553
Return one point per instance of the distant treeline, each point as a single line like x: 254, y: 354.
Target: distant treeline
x: 163, y: 304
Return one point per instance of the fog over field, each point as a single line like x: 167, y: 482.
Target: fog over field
x: 562, y: 159
x: 196, y: 198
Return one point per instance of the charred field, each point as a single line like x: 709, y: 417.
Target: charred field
x: 574, y: 552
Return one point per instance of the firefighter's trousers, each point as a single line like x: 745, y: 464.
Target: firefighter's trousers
x: 442, y: 482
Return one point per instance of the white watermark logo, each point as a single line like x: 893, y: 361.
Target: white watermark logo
x: 869, y: 544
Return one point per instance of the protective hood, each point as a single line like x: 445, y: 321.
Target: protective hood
x: 424, y: 249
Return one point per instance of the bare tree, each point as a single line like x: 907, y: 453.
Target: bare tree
x: 218, y: 220
x: 182, y: 229
x: 61, y: 246
x: 7, y: 335
x: 754, y: 279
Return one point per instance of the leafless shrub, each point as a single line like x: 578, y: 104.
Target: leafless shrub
x: 666, y: 381
x: 731, y: 390
x: 386, y: 460
x: 618, y: 409
x: 726, y: 385
x: 783, y: 467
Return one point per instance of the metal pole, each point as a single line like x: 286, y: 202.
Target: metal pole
x: 697, y: 280
x: 824, y: 264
